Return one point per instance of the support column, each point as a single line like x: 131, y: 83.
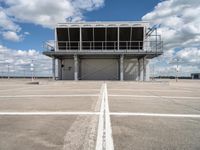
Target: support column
x: 80, y: 41
x: 53, y: 68
x: 139, y: 68
x: 76, y: 67
x: 59, y: 69
x: 144, y: 68
x: 121, y: 67
x: 118, y: 38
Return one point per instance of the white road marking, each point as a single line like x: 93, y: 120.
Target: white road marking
x: 109, y: 139
x: 104, y: 136
x: 70, y: 95
x: 42, y: 90
x: 154, y: 96
x: 155, y: 115
x: 43, y: 113
x: 99, y: 113
x: 142, y: 90
x: 99, y: 141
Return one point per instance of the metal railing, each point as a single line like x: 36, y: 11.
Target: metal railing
x: 150, y: 46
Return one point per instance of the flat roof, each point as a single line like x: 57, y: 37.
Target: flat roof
x: 104, y: 24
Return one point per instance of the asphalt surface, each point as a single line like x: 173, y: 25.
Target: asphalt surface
x: 79, y: 132
x: 155, y: 133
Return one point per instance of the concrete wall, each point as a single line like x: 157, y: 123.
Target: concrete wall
x: 130, y: 69
x: 66, y: 72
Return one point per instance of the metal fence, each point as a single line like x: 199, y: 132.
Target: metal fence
x: 151, y: 46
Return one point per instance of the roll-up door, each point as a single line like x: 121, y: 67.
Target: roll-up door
x: 99, y: 69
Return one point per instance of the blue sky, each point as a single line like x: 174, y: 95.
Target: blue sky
x: 25, y: 25
x: 118, y: 10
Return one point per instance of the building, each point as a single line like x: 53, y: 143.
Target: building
x: 195, y: 75
x: 103, y: 50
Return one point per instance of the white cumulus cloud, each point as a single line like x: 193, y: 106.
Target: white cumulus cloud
x: 180, y: 29
x: 12, y: 36
x: 19, y: 62
x: 48, y: 13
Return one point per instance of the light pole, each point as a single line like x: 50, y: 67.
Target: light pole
x: 32, y: 68
x: 8, y: 71
x: 177, y: 68
x: 176, y: 61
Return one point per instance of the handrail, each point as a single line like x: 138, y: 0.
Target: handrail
x: 150, y: 46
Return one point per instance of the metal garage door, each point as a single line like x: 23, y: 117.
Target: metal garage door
x: 99, y: 69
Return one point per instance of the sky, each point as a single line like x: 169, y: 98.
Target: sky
x: 25, y: 25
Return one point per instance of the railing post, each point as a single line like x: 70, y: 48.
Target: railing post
x: 118, y: 42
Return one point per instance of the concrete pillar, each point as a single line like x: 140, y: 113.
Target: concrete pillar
x: 53, y: 68
x: 76, y: 67
x: 59, y: 69
x: 121, y: 67
x: 139, y: 68
x: 80, y: 41
x: 144, y: 68
x: 147, y: 70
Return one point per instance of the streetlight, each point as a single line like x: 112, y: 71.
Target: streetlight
x: 176, y: 61
x: 32, y: 69
x: 8, y: 71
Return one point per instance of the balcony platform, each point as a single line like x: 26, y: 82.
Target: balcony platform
x: 103, y: 53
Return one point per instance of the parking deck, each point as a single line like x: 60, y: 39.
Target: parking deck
x: 61, y: 115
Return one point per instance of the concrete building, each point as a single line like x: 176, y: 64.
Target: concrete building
x: 103, y: 50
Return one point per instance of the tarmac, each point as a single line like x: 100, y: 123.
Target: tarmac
x: 63, y: 115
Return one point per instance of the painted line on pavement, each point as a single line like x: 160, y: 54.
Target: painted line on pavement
x: 153, y: 96
x: 155, y: 115
x: 43, y: 113
x: 143, y: 90
x: 104, y: 136
x: 109, y: 138
x: 71, y: 95
x: 100, y: 133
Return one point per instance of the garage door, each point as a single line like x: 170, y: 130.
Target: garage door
x: 99, y: 69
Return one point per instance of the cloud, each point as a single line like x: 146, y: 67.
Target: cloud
x: 19, y: 62
x: 6, y: 22
x: 187, y: 59
x: 180, y: 29
x: 189, y: 56
x: 179, y: 22
x: 12, y: 36
x: 48, y: 13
